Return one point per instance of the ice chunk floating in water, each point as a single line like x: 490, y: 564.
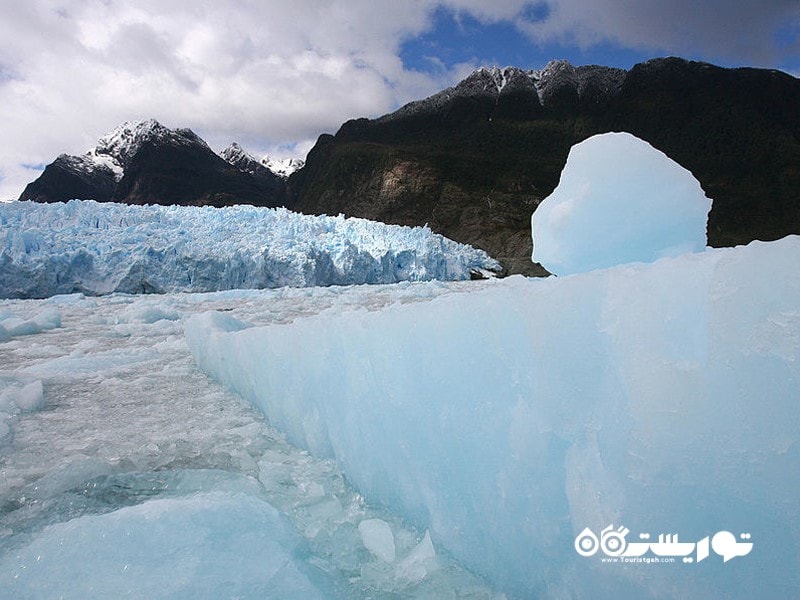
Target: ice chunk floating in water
x: 660, y: 397
x: 619, y: 201
x: 48, y: 249
x: 209, y: 545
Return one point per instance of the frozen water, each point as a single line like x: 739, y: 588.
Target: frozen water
x: 210, y: 545
x: 136, y: 458
x: 661, y: 397
x: 84, y: 246
x: 378, y: 538
x: 619, y: 201
x: 422, y: 559
x: 29, y: 397
x: 12, y: 325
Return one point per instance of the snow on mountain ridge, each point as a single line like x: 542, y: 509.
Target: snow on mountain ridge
x: 124, y: 141
x: 91, y: 162
x: 115, y: 149
x: 235, y: 152
x: 499, y: 76
x: 496, y: 81
x: 240, y: 158
x: 283, y: 167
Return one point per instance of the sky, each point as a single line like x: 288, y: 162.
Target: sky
x: 274, y: 75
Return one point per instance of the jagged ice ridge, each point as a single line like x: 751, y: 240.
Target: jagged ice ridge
x: 100, y: 248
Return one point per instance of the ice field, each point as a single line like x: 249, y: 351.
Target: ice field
x: 126, y: 472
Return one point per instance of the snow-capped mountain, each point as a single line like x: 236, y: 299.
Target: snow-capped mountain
x: 117, y: 149
x: 123, y: 143
x: 283, y: 167
x: 244, y: 161
x: 145, y: 162
x: 595, y: 83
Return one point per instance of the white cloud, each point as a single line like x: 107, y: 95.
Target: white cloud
x: 489, y: 12
x: 736, y: 30
x: 270, y: 72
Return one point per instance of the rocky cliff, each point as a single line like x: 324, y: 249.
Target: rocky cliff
x: 475, y: 160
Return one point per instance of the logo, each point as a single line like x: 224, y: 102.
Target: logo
x: 614, y: 545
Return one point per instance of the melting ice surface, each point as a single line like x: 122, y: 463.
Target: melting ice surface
x: 126, y: 472
x: 619, y: 201
x: 85, y: 246
x: 663, y: 398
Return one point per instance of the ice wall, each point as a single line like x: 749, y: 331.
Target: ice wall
x: 85, y: 246
x: 660, y: 397
x: 619, y: 200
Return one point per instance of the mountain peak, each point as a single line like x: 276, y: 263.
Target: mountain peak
x: 501, y: 76
x: 144, y: 162
x: 283, y: 167
x: 234, y: 153
x: 124, y: 141
x: 558, y: 83
x: 238, y: 157
x: 488, y: 80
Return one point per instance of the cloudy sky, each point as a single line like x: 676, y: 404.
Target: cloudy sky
x: 273, y: 75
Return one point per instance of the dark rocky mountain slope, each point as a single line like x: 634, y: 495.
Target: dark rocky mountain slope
x: 475, y: 160
x: 146, y: 163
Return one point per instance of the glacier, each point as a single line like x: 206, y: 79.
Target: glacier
x: 660, y: 399
x: 619, y: 200
x: 101, y: 248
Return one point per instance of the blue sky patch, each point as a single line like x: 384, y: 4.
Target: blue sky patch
x: 460, y: 38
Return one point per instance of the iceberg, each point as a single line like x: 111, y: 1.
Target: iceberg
x: 660, y: 399
x: 101, y: 248
x: 619, y: 200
